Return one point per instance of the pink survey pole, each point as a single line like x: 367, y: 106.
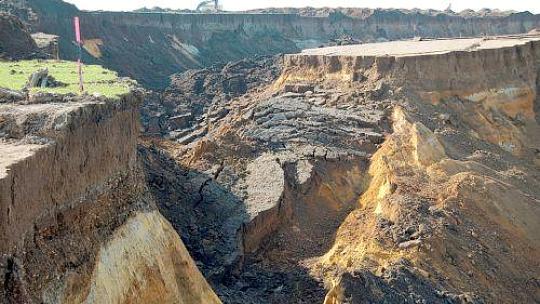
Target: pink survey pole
x: 77, y: 27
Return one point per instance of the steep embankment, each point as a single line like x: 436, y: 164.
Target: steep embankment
x: 77, y: 223
x: 167, y: 43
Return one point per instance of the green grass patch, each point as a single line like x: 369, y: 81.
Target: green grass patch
x: 15, y: 74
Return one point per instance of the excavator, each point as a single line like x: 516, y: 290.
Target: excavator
x: 208, y: 6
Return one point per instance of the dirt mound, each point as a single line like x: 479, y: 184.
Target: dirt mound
x: 15, y: 40
x: 229, y: 80
x: 205, y: 96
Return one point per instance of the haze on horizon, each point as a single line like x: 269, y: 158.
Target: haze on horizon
x: 235, y: 5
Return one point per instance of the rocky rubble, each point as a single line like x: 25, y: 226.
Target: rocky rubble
x: 42, y: 79
x: 205, y: 95
x: 337, y: 124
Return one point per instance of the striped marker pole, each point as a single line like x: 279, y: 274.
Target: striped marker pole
x: 77, y: 26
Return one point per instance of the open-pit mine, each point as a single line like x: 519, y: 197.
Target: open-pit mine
x: 332, y: 156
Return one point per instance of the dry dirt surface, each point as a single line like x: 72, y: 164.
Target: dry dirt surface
x: 383, y: 181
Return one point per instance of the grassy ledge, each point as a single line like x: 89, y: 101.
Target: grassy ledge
x: 14, y: 75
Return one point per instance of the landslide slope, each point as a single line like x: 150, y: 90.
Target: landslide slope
x: 451, y: 209
x: 398, y: 172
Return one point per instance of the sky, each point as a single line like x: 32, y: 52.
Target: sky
x: 232, y: 5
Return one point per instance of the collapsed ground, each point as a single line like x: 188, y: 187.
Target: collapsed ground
x: 321, y: 185
x: 307, y: 191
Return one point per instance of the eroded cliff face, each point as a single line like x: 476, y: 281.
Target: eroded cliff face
x: 180, y: 42
x: 78, y: 224
x: 58, y: 166
x: 438, y: 75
